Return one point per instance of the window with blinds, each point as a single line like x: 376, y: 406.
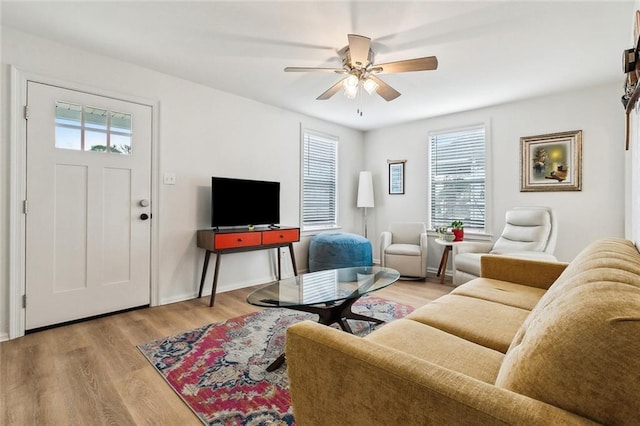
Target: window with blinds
x: 319, y: 180
x: 458, y: 178
x: 319, y: 286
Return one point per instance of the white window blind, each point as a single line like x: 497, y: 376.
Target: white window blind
x: 458, y: 178
x: 319, y: 286
x: 319, y: 180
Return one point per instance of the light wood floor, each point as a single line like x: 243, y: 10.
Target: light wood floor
x: 91, y: 373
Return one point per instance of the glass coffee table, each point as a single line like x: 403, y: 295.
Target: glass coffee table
x: 329, y: 294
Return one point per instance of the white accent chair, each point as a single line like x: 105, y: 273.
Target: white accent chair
x: 404, y: 248
x: 529, y: 232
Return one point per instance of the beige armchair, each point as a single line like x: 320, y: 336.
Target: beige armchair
x: 529, y: 232
x: 404, y: 248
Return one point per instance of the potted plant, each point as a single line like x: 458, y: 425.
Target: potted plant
x: 457, y: 227
x: 444, y: 234
x: 441, y: 230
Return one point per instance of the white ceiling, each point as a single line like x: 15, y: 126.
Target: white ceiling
x: 488, y: 52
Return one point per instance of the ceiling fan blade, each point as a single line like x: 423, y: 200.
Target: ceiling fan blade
x: 331, y: 91
x: 359, y: 49
x: 314, y: 69
x: 384, y: 90
x: 419, y: 64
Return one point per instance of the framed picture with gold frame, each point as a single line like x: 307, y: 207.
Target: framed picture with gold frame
x: 551, y: 162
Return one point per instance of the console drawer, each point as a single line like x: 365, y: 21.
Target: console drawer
x: 237, y: 239
x: 277, y: 236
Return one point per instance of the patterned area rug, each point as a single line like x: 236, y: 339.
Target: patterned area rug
x: 219, y: 370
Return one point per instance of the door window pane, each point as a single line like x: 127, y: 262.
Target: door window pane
x: 68, y: 126
x: 87, y: 128
x: 95, y: 133
x: 121, y: 132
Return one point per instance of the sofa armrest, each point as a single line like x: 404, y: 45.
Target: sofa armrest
x: 472, y: 247
x: 385, y: 241
x: 534, y: 273
x: 423, y: 241
x: 337, y: 378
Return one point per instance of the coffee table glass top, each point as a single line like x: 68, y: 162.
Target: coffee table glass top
x: 328, y: 286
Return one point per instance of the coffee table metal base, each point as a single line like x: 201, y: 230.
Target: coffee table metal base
x: 329, y: 314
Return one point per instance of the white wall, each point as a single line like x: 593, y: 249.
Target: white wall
x: 596, y: 211
x: 205, y: 132
x: 632, y: 157
x: 202, y: 132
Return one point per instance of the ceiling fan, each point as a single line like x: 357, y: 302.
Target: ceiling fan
x: 361, y: 72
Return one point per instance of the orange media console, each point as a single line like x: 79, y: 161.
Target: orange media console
x: 235, y: 241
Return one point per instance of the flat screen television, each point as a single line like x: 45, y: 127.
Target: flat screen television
x: 243, y: 202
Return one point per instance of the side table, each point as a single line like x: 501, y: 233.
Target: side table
x: 448, y: 246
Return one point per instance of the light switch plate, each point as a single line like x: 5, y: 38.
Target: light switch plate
x: 169, y: 178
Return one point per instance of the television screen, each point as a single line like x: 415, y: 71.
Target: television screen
x: 243, y: 202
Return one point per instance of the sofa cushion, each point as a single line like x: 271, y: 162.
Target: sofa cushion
x: 579, y: 349
x: 520, y: 296
x: 603, y: 259
x: 483, y: 322
x: 407, y: 232
x: 438, y: 347
x: 403, y: 250
x: 336, y: 378
x: 469, y: 262
x: 534, y: 255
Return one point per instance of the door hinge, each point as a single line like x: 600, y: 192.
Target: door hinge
x: 25, y: 207
x: 26, y: 112
x: 24, y: 300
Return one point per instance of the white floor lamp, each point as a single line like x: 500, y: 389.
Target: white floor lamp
x: 365, y: 195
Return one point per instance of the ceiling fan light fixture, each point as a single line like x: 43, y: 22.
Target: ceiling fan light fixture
x: 361, y: 70
x: 351, y: 81
x: 350, y: 85
x: 350, y: 91
x: 370, y: 86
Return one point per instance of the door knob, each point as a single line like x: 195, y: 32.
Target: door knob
x: 144, y: 216
x: 144, y: 203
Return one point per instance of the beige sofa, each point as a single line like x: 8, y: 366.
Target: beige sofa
x: 529, y: 342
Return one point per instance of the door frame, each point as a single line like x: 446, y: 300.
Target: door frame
x: 18, y: 185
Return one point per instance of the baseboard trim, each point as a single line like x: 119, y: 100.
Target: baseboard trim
x: 447, y: 272
x: 229, y: 287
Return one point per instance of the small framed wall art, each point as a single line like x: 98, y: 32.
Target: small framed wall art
x: 551, y: 162
x: 396, y: 176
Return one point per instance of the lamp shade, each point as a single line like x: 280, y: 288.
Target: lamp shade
x: 365, y: 190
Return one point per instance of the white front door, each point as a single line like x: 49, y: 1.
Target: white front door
x: 88, y: 189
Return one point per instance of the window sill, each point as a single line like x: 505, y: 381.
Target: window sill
x: 469, y: 235
x: 309, y: 232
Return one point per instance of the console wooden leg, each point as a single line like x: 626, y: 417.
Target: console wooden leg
x: 279, y: 263
x: 293, y: 260
x: 204, y: 271
x: 215, y: 279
